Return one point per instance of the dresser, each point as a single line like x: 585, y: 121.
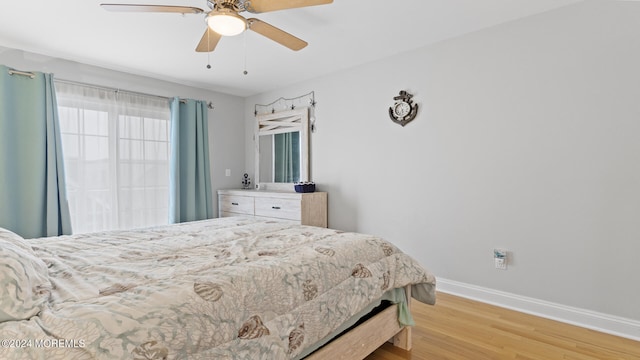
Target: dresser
x: 306, y: 208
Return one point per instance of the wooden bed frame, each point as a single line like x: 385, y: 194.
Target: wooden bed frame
x: 364, y: 339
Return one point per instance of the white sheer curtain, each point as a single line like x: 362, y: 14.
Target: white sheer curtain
x: 116, y: 152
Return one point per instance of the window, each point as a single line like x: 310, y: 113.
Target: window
x: 116, y: 153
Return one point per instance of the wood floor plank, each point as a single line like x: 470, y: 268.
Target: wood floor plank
x: 460, y: 329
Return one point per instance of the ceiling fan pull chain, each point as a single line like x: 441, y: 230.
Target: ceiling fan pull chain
x: 245, y: 54
x: 208, y: 52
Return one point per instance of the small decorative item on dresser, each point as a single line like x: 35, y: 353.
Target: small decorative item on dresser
x: 246, y: 181
x: 305, y: 187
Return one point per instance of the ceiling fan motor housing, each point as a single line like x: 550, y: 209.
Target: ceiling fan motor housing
x: 233, y: 5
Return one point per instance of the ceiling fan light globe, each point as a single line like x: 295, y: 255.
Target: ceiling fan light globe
x: 226, y: 23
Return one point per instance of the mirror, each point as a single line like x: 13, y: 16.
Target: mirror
x: 280, y: 158
x: 282, y: 148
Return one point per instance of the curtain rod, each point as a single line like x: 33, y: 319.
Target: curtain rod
x: 32, y: 75
x: 100, y: 87
x: 23, y: 73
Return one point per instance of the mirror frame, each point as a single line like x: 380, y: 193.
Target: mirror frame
x: 278, y: 123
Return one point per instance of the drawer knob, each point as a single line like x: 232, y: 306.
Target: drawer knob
x: 275, y: 207
x: 234, y: 203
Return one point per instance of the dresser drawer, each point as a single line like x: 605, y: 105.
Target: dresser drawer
x: 278, y: 208
x: 236, y: 204
x: 303, y: 208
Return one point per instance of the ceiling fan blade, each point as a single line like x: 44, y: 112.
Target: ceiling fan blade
x: 152, y: 8
x: 260, y: 6
x: 275, y: 34
x: 209, y: 41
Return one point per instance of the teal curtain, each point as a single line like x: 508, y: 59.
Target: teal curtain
x: 33, y: 198
x: 286, y: 149
x: 190, y: 196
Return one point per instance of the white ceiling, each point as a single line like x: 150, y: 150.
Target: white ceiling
x: 341, y: 35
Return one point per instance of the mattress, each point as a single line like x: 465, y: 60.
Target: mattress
x: 229, y: 288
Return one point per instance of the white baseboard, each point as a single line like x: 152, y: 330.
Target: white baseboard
x: 610, y: 324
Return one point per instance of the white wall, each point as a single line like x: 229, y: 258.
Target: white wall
x: 226, y: 122
x: 527, y: 139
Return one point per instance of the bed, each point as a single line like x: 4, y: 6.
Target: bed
x: 228, y: 288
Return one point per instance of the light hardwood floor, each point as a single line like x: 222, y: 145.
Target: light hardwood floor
x: 458, y: 328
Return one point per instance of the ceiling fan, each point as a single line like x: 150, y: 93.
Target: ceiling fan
x: 224, y: 19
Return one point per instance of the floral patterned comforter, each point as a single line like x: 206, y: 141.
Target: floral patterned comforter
x: 229, y: 288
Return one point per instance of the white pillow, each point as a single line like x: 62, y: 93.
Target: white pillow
x: 24, y: 279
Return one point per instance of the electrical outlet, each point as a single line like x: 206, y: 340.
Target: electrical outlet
x: 227, y: 172
x: 500, y: 259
